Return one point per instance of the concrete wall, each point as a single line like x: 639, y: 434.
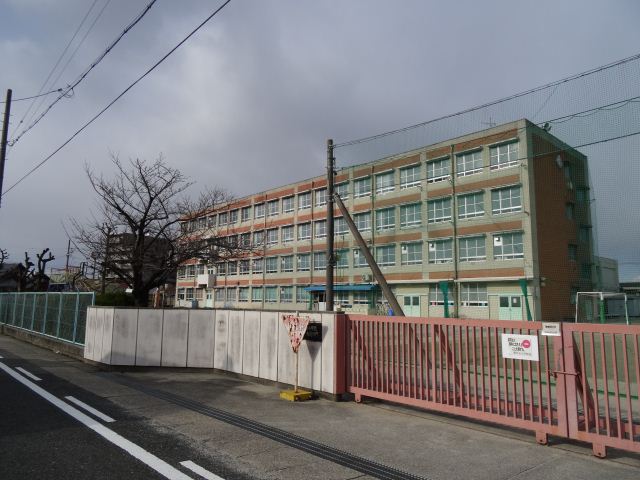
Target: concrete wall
x: 248, y: 342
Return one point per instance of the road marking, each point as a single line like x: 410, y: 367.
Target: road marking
x: 194, y: 467
x: 90, y: 409
x: 28, y: 374
x: 131, y: 448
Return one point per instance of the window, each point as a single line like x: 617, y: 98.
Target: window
x: 273, y: 208
x: 361, y: 298
x: 258, y: 238
x: 436, y: 297
x: 342, y: 258
x: 223, y: 218
x: 287, y: 204
x: 362, y: 187
x: 363, y: 221
x: 569, y: 211
x: 472, y: 249
x: 359, y: 260
x: 385, y: 219
x: 568, y: 171
x: 272, y: 236
x: 469, y: 163
x: 386, y: 255
x: 199, y: 293
x: 286, y: 263
x: 232, y: 268
x: 202, y: 222
x: 271, y: 294
x: 471, y: 205
x: 502, y: 156
x: 438, y: 170
x: 211, y: 221
x: 286, y: 294
x: 304, y: 231
x: 341, y: 297
x: 507, y: 246
x: 243, y: 294
x: 474, y: 295
x: 506, y: 200
x: 245, y: 240
x: 573, y: 295
x: 221, y: 268
x: 304, y: 262
x: 231, y: 295
x: 304, y: 200
x: 302, y: 295
x: 410, y: 215
x: 258, y: 265
x: 340, y: 226
x: 319, y: 260
x: 287, y: 234
x: 245, y: 214
x: 585, y: 271
x: 233, y: 216
x: 321, y: 197
x: 410, y: 176
x: 573, y: 252
x: 181, y: 294
x: 271, y: 264
x: 182, y: 271
x: 189, y: 294
x: 411, y: 253
x: 320, y: 228
x: 581, y: 195
x: 584, y: 233
x: 244, y: 267
x: 384, y: 183
x: 258, y: 210
x: 200, y: 269
x: 219, y: 295
x: 342, y: 190
x: 256, y: 294
x: 439, y: 210
x: 441, y: 251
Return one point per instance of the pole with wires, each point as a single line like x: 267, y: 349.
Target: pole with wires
x: 3, y: 144
x: 330, y: 255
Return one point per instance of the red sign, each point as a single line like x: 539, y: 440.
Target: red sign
x: 296, y: 326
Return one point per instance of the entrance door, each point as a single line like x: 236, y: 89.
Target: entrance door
x: 411, y: 305
x: 510, y: 307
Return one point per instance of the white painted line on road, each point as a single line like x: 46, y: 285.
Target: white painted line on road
x: 131, y: 448
x: 194, y: 467
x: 90, y: 409
x: 28, y: 374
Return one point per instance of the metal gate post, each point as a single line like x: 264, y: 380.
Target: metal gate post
x: 34, y: 302
x: 24, y: 302
x: 561, y: 383
x: 15, y: 307
x: 46, y: 309
x: 75, y: 319
x: 59, y: 315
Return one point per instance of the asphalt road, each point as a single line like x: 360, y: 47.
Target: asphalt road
x: 39, y: 440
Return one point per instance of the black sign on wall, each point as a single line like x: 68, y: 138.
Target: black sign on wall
x: 314, y: 332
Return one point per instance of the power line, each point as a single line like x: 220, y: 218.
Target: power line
x: 494, y: 102
x: 59, y: 60
x: 57, y: 90
x: 95, y: 117
x: 83, y: 75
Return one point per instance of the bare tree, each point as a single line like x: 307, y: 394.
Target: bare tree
x: 3, y: 256
x: 136, y: 234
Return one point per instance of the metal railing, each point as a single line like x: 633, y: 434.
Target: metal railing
x: 60, y: 315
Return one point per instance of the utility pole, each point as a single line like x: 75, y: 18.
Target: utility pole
x: 330, y: 255
x: 66, y: 265
x: 3, y: 142
x: 103, y: 286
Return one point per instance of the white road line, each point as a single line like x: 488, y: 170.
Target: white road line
x: 28, y: 374
x: 91, y: 410
x: 194, y: 467
x: 131, y: 448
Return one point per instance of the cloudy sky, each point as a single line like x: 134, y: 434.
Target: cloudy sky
x: 248, y: 102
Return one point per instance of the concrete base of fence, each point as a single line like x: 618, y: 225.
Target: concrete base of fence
x: 58, y: 346
x: 246, y: 342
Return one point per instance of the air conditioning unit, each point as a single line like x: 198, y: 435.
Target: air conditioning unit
x: 497, y: 241
x: 366, y: 278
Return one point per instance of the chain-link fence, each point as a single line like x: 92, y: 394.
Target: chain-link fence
x: 59, y: 315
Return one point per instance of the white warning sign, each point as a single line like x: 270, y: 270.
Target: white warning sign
x: 520, y: 347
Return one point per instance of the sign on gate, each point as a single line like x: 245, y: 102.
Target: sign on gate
x: 550, y: 329
x: 520, y: 347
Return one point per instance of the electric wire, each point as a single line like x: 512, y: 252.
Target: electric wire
x: 86, y: 72
x: 57, y: 90
x: 110, y: 104
x: 494, y: 102
x: 64, y: 51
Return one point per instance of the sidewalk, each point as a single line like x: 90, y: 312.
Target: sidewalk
x: 424, y: 444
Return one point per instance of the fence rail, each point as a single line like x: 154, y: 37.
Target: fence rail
x: 585, y: 384
x: 60, y: 315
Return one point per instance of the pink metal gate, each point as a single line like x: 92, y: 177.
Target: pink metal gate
x: 456, y: 366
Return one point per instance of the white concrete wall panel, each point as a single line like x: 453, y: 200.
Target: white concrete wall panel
x: 221, y: 340
x: 106, y: 325
x: 149, y: 343
x: 328, y: 350
x: 201, y: 338
x: 268, y: 367
x: 174, y: 338
x: 310, y: 353
x: 236, y: 344
x: 251, y: 344
x: 89, y: 334
x: 125, y: 330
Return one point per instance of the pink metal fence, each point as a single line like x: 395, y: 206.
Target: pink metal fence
x: 456, y: 366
